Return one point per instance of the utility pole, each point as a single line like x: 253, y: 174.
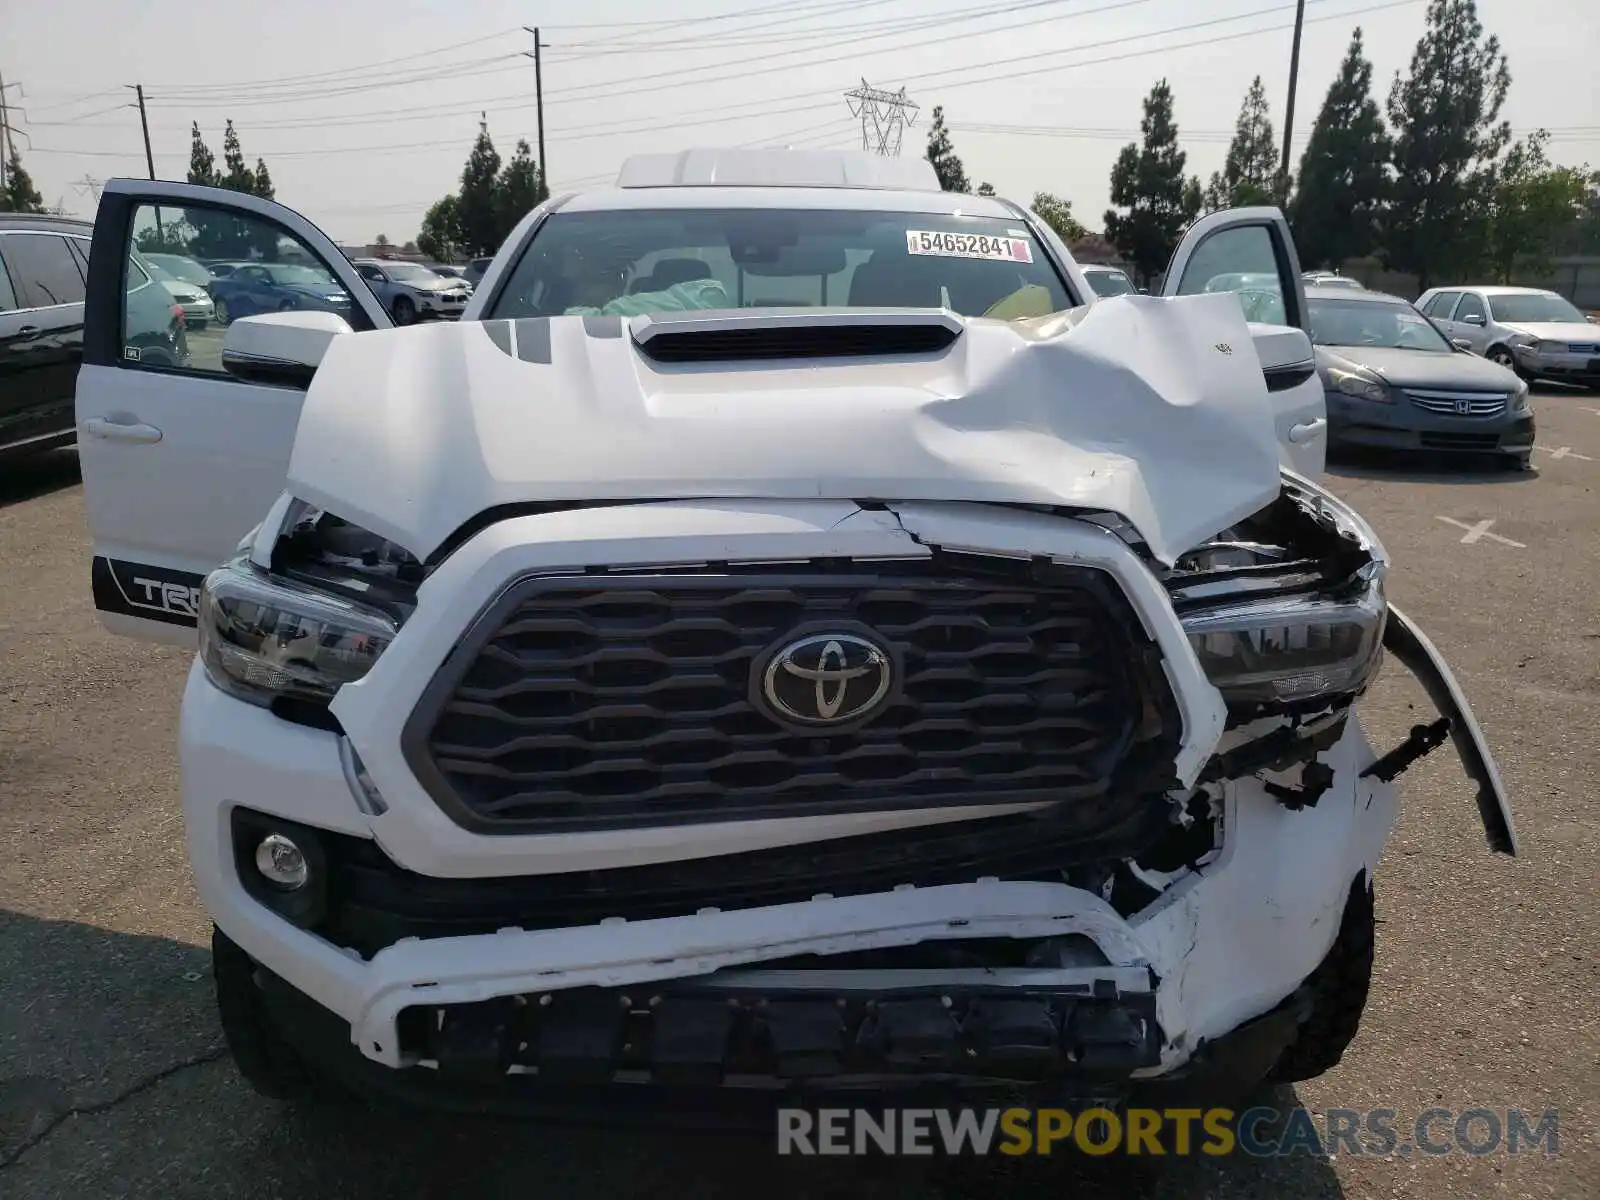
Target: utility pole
x: 5, y: 135
x: 884, y: 117
x: 538, y: 102
x: 1288, y: 109
x: 144, y: 122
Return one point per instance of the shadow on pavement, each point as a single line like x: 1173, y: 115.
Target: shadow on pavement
x: 112, y: 1083
x: 1411, y: 466
x: 29, y: 476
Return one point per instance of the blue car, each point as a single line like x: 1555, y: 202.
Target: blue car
x: 252, y: 288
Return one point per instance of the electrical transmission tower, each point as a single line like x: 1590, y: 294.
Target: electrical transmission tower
x: 88, y: 186
x: 884, y: 117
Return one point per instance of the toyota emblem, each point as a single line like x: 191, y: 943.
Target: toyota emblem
x: 825, y: 681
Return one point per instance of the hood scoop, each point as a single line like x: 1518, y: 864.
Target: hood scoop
x: 770, y: 334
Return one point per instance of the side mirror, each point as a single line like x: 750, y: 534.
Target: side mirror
x: 1472, y: 319
x: 1462, y: 345
x: 284, y: 348
x: 1287, y: 359
x: 1146, y: 292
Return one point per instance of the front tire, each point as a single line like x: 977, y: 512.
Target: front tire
x: 220, y: 314
x: 1501, y: 356
x: 1338, y: 992
x: 405, y: 312
x: 267, y: 1062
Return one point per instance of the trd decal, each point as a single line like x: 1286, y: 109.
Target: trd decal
x: 140, y: 590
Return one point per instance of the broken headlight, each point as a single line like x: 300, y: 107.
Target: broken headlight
x: 1288, y: 607
x: 1284, y: 650
x: 267, y: 640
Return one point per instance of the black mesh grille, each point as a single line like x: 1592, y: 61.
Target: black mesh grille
x: 603, y: 701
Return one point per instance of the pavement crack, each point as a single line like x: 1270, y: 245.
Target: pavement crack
x: 138, y: 1087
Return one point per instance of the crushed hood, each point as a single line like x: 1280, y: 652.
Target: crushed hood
x: 1154, y: 409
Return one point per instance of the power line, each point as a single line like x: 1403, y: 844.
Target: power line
x: 719, y: 114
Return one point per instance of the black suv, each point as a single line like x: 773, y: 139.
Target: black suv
x: 43, y: 263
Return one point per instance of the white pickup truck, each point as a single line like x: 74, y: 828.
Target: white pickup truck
x: 790, y: 634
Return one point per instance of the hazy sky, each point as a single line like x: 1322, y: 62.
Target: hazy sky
x: 364, y: 110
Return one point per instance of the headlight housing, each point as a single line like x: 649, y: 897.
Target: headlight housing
x: 1360, y: 385
x: 1291, y: 649
x: 1519, y: 398
x: 1287, y: 611
x: 1551, y: 347
x: 268, y: 640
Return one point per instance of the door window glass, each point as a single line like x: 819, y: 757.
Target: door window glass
x: 1439, y: 307
x: 1471, y: 306
x: 273, y: 271
x: 43, y: 270
x: 1241, y: 260
x: 8, y: 297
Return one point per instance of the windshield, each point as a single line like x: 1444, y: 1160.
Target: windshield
x: 1533, y: 307
x: 627, y: 263
x: 1109, y: 283
x: 410, y: 272
x: 182, y: 268
x: 300, y: 276
x: 1365, y: 323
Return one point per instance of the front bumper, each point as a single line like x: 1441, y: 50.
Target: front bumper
x: 1402, y: 426
x: 436, y: 305
x: 197, y: 314
x: 1568, y: 367
x: 1220, y: 946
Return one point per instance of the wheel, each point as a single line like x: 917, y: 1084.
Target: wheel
x: 220, y: 313
x: 267, y: 1062
x: 405, y: 312
x: 1501, y: 356
x: 286, y: 306
x: 1338, y: 992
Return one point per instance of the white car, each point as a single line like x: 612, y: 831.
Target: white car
x: 802, y: 678
x: 411, y: 291
x: 196, y: 303
x: 1537, y: 334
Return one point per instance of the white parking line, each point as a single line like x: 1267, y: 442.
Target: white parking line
x: 1480, y: 530
x: 1563, y: 452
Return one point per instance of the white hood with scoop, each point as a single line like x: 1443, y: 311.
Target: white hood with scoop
x: 1154, y: 409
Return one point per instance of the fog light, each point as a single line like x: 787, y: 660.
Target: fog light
x: 282, y: 863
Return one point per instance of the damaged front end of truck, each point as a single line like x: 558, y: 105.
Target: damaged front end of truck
x: 793, y: 786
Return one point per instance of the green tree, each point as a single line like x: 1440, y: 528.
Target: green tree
x: 263, y: 181
x: 986, y: 188
x: 1344, y: 178
x: 202, y: 165
x: 941, y: 153
x: 19, y: 194
x: 1583, y: 235
x: 478, y: 206
x: 440, y: 238
x: 1148, y: 184
x: 236, y: 175
x: 1056, y: 212
x: 1249, y: 174
x: 1447, y: 136
x: 1531, y: 207
x: 521, y: 189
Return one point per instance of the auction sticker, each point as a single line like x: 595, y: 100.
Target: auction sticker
x: 968, y: 245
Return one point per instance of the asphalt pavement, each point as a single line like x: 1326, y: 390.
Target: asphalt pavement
x: 1487, y: 993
